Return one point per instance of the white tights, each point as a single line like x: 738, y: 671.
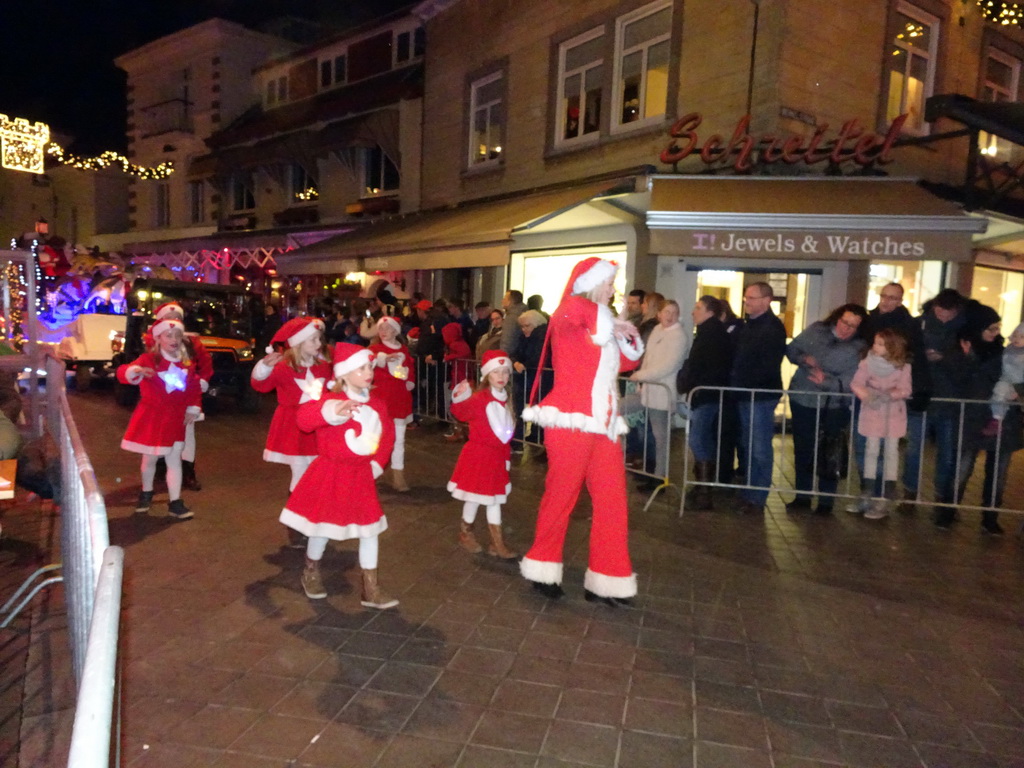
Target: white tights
x: 398, y: 452
x: 188, y: 453
x: 173, y: 460
x: 470, y: 508
x: 368, y: 549
x: 299, y: 465
x: 891, y: 464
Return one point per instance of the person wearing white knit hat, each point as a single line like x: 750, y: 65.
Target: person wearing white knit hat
x: 337, y: 496
x: 394, y: 379
x: 589, y: 347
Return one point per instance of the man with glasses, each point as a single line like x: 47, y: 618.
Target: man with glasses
x: 890, y: 313
x: 757, y: 364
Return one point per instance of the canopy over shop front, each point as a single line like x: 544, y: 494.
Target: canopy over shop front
x: 806, y: 218
x: 469, y: 235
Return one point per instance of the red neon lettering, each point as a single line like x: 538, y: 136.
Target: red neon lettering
x: 684, y: 127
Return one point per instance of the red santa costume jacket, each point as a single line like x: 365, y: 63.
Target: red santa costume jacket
x: 337, y: 497
x: 158, y: 422
x: 389, y: 388
x: 199, y: 354
x: 481, y: 473
x: 583, y: 425
x: 285, y: 441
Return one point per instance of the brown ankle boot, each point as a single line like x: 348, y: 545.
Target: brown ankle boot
x: 312, y: 583
x: 467, y: 539
x: 398, y: 480
x: 372, y: 595
x: 498, y: 548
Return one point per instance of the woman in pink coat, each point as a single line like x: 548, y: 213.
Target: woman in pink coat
x: 882, y: 383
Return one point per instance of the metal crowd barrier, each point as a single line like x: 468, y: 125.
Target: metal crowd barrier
x: 965, y: 451
x: 91, y: 571
x: 432, y: 399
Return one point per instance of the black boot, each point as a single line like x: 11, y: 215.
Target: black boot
x: 189, y: 481
x: 945, y: 514
x: 990, y: 523
x: 700, y: 498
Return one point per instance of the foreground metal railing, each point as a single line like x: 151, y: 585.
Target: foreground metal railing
x: 91, y: 571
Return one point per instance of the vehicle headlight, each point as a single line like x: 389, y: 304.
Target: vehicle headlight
x: 245, y: 353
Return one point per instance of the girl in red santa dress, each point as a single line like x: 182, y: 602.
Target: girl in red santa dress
x: 589, y: 348
x: 337, y: 497
x: 481, y: 473
x: 171, y: 310
x: 394, y: 379
x: 169, y: 398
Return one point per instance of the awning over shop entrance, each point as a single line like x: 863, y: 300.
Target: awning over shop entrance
x: 471, y: 235
x: 833, y: 217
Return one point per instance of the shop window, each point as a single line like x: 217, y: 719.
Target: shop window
x: 911, y: 66
x: 380, y: 175
x: 303, y: 185
x: 197, y: 201
x: 162, y: 214
x: 641, y: 66
x: 486, y: 120
x: 580, y: 77
x: 1003, y: 291
x: 242, y: 196
x: 1001, y: 83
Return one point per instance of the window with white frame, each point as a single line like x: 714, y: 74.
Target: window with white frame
x: 162, y: 212
x: 242, y: 196
x: 197, y: 201
x: 486, y: 120
x: 580, y: 79
x: 911, y: 64
x: 303, y: 185
x: 380, y: 174
x: 1001, y: 83
x: 409, y: 45
x: 642, y: 41
x: 333, y: 71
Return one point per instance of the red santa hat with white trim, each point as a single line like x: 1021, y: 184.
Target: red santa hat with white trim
x: 163, y: 326
x: 296, y: 331
x: 492, y: 360
x: 167, y: 308
x: 588, y: 274
x: 348, y: 357
x: 392, y: 321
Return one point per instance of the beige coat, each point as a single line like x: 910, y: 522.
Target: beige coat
x: 663, y: 357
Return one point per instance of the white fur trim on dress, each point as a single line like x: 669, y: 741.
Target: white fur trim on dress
x: 594, y: 276
x: 462, y: 396
x: 204, y: 386
x: 134, y: 374
x: 151, y: 450
x: 382, y: 359
x: 631, y: 349
x: 378, y: 470
x: 262, y: 371
x: 549, y: 416
x: 330, y: 531
x: 331, y: 416
x: 605, y: 325
x: 501, y: 422
x: 541, y: 571
x: 477, y: 498
x: 610, y: 586
x: 283, y: 458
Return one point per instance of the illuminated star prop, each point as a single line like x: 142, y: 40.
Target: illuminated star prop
x: 174, y: 378
x: 312, y: 389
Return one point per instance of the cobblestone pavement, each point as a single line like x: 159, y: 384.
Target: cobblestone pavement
x: 787, y: 641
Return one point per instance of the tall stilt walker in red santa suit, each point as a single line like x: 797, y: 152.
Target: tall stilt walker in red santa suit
x: 589, y: 348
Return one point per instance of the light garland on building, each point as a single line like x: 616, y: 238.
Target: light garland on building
x: 109, y: 159
x: 21, y: 144
x: 309, y: 193
x: 1004, y: 13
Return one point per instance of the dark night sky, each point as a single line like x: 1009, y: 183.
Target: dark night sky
x: 56, y: 64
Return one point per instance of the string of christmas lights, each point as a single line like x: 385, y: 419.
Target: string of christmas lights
x: 1004, y: 13
x: 109, y: 159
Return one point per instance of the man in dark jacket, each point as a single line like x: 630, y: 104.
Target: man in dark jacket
x: 708, y: 365
x: 757, y: 364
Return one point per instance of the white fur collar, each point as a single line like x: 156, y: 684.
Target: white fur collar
x: 499, y: 394
x: 359, y: 395
x: 393, y: 344
x: 170, y: 358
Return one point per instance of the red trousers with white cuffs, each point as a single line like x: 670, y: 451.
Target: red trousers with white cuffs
x: 574, y: 459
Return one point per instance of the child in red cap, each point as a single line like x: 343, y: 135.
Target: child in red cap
x: 337, y: 496
x: 394, y: 378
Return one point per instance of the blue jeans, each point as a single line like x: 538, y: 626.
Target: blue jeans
x: 945, y: 427
x: 704, y: 432
x: 757, y: 428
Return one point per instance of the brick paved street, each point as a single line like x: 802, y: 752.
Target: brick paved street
x: 782, y: 641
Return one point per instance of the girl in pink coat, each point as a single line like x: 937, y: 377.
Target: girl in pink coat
x: 337, y: 497
x: 169, y: 398
x: 394, y: 379
x: 481, y: 473
x: 882, y: 383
